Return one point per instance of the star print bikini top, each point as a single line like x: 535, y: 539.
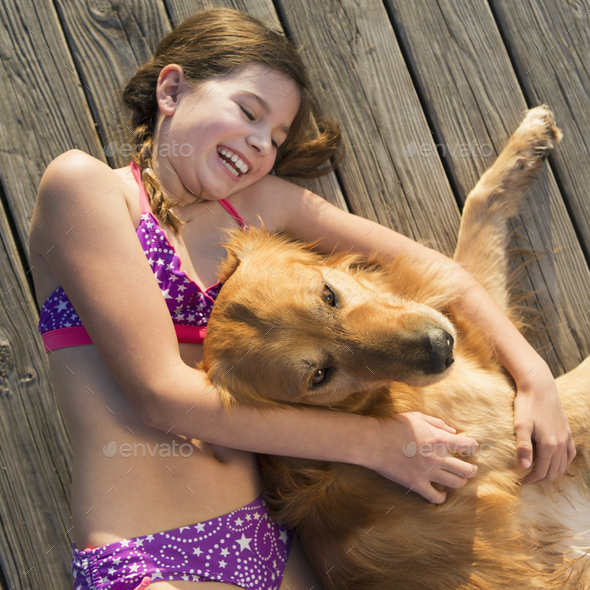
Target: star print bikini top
x: 190, y: 307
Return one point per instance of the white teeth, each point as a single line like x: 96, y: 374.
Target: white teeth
x: 231, y: 168
x: 239, y: 164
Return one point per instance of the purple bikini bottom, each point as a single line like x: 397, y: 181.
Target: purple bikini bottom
x: 245, y: 548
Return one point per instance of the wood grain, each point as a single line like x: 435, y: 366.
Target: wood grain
x: 361, y: 75
x: 45, y: 112
x: 551, y: 55
x: 472, y: 95
x: 108, y: 42
x: 35, y: 452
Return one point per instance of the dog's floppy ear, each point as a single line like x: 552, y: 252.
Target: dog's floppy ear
x: 234, y: 257
x: 240, y: 244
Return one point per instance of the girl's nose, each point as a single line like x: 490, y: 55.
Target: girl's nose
x: 261, y: 143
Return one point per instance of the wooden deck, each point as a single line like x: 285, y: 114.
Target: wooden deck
x: 428, y: 92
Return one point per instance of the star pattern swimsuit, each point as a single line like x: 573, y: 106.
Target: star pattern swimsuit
x: 189, y: 306
x: 245, y: 547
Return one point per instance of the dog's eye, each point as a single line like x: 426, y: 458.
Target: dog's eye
x: 319, y: 376
x: 328, y: 296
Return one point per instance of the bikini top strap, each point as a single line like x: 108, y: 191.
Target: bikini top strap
x: 144, y: 202
x: 234, y: 213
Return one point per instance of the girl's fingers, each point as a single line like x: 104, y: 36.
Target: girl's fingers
x: 462, y: 445
x: 524, y: 445
x: 144, y: 583
x: 438, y: 423
x: 430, y: 494
x: 541, y: 467
x: 571, y: 450
x: 559, y: 464
x: 557, y: 459
x: 459, y: 468
x: 449, y: 480
x: 564, y: 461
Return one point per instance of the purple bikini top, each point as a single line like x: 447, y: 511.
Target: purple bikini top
x: 190, y: 307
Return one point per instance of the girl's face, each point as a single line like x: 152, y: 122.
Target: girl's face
x: 221, y: 136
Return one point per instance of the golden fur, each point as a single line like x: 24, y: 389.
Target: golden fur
x: 272, y: 329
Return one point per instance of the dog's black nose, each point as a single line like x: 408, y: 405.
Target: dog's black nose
x: 441, y: 353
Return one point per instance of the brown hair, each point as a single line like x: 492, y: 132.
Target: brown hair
x: 210, y: 43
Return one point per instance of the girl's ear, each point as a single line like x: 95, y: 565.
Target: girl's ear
x: 171, y: 84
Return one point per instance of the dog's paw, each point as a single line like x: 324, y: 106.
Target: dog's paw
x: 536, y: 136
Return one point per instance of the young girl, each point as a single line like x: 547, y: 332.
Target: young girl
x: 166, y: 488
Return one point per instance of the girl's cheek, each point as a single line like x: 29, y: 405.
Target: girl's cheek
x: 268, y: 166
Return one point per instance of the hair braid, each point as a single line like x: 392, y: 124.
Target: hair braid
x: 159, y: 203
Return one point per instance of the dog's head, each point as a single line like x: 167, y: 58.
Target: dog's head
x: 291, y: 325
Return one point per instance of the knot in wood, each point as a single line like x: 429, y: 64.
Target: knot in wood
x: 103, y: 9
x: 29, y: 376
x: 6, y: 360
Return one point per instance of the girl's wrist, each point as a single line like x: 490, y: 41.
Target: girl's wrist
x: 368, y: 446
x: 359, y: 446
x: 538, y: 373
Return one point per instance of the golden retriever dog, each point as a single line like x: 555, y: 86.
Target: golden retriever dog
x: 381, y: 337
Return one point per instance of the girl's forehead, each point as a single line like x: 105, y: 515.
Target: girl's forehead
x: 274, y: 91
x: 258, y: 76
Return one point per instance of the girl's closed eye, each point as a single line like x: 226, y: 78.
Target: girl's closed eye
x: 248, y: 113
x: 251, y: 117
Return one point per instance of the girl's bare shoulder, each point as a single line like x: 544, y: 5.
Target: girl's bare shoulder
x: 71, y: 184
x: 73, y: 167
x: 273, y: 199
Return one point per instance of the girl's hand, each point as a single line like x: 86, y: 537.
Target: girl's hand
x: 539, y: 417
x: 415, y: 453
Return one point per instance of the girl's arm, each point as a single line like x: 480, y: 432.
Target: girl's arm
x: 539, y: 415
x: 189, y: 405
x: 82, y: 228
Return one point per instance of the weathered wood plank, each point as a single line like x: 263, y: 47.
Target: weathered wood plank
x: 326, y: 186
x: 45, y: 110
x: 35, y: 452
x: 472, y: 95
x: 260, y: 9
x: 551, y: 55
x: 47, y: 115
x: 108, y: 42
x: 357, y: 64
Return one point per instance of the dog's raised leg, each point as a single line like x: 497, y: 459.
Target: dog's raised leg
x: 484, y: 235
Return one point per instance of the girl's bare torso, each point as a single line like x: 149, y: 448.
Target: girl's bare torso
x: 130, y: 479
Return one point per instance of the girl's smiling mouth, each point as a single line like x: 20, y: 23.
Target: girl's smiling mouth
x: 232, y: 161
